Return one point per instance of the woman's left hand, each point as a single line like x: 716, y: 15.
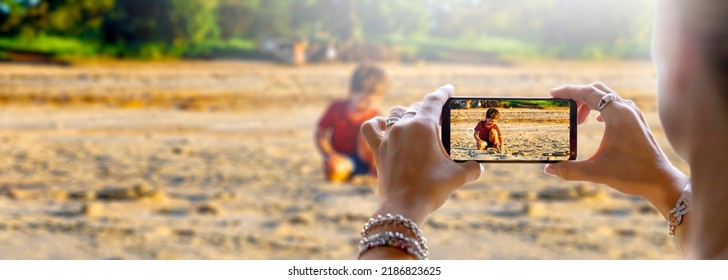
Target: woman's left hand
x: 416, y: 176
x: 629, y: 158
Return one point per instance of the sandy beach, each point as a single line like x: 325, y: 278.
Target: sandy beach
x: 216, y: 160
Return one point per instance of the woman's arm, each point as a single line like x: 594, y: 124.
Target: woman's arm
x: 323, y: 144
x: 416, y: 176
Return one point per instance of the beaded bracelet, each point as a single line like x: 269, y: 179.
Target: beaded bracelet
x: 394, y: 240
x: 674, y: 218
x: 395, y: 219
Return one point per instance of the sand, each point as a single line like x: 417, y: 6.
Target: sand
x: 215, y: 160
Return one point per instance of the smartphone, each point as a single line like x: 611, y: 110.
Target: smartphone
x: 518, y: 130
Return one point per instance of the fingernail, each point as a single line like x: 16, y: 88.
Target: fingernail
x: 482, y: 169
x: 552, y: 90
x: 550, y: 170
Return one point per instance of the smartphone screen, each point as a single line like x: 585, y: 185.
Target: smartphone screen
x: 509, y: 129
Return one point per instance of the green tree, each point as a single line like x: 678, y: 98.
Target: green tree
x: 194, y: 21
x: 235, y: 17
x: 398, y: 18
x: 76, y: 18
x: 357, y: 19
x: 273, y: 18
x: 152, y: 28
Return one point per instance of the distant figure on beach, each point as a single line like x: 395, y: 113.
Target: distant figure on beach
x: 299, y: 52
x: 331, y: 54
x: 487, y: 134
x: 338, y: 136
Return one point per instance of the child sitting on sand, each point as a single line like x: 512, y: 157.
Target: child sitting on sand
x: 487, y: 134
x: 338, y: 136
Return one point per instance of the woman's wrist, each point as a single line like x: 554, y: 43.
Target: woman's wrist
x: 414, y: 212
x: 667, y: 193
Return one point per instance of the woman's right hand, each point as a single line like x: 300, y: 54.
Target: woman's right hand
x: 416, y: 175
x: 628, y: 158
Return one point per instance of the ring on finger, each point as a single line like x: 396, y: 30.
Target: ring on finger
x: 609, y: 98
x: 391, y: 121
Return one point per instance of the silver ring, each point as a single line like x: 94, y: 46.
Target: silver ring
x: 606, y: 100
x: 410, y: 111
x: 391, y: 121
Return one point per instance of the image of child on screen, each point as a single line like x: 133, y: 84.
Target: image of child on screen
x: 487, y: 134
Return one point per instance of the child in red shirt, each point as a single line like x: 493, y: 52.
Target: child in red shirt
x: 338, y: 135
x: 487, y: 134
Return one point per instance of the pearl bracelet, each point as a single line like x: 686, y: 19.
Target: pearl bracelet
x: 674, y: 218
x: 395, y: 219
x: 395, y: 240
x: 418, y: 249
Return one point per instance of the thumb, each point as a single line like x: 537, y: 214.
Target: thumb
x: 471, y: 170
x: 372, y: 131
x: 570, y: 170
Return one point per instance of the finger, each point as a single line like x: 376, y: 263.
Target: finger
x: 431, y: 107
x: 471, y: 170
x: 571, y: 170
x: 588, y: 95
x: 602, y: 87
x: 582, y: 113
x: 634, y: 107
x: 372, y: 131
x: 397, y: 111
x: 631, y: 103
x: 412, y: 111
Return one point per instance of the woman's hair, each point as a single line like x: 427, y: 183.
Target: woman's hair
x: 368, y: 79
x: 715, y: 55
x: 492, y: 113
x: 708, y: 19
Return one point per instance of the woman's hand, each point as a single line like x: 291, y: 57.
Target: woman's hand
x: 416, y: 176
x: 628, y: 158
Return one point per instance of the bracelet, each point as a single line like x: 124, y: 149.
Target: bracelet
x: 395, y: 240
x: 395, y: 219
x: 416, y: 247
x: 674, y: 218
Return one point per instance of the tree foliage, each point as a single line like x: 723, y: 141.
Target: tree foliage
x: 67, y: 17
x: 575, y: 28
x: 235, y: 17
x: 160, y: 26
